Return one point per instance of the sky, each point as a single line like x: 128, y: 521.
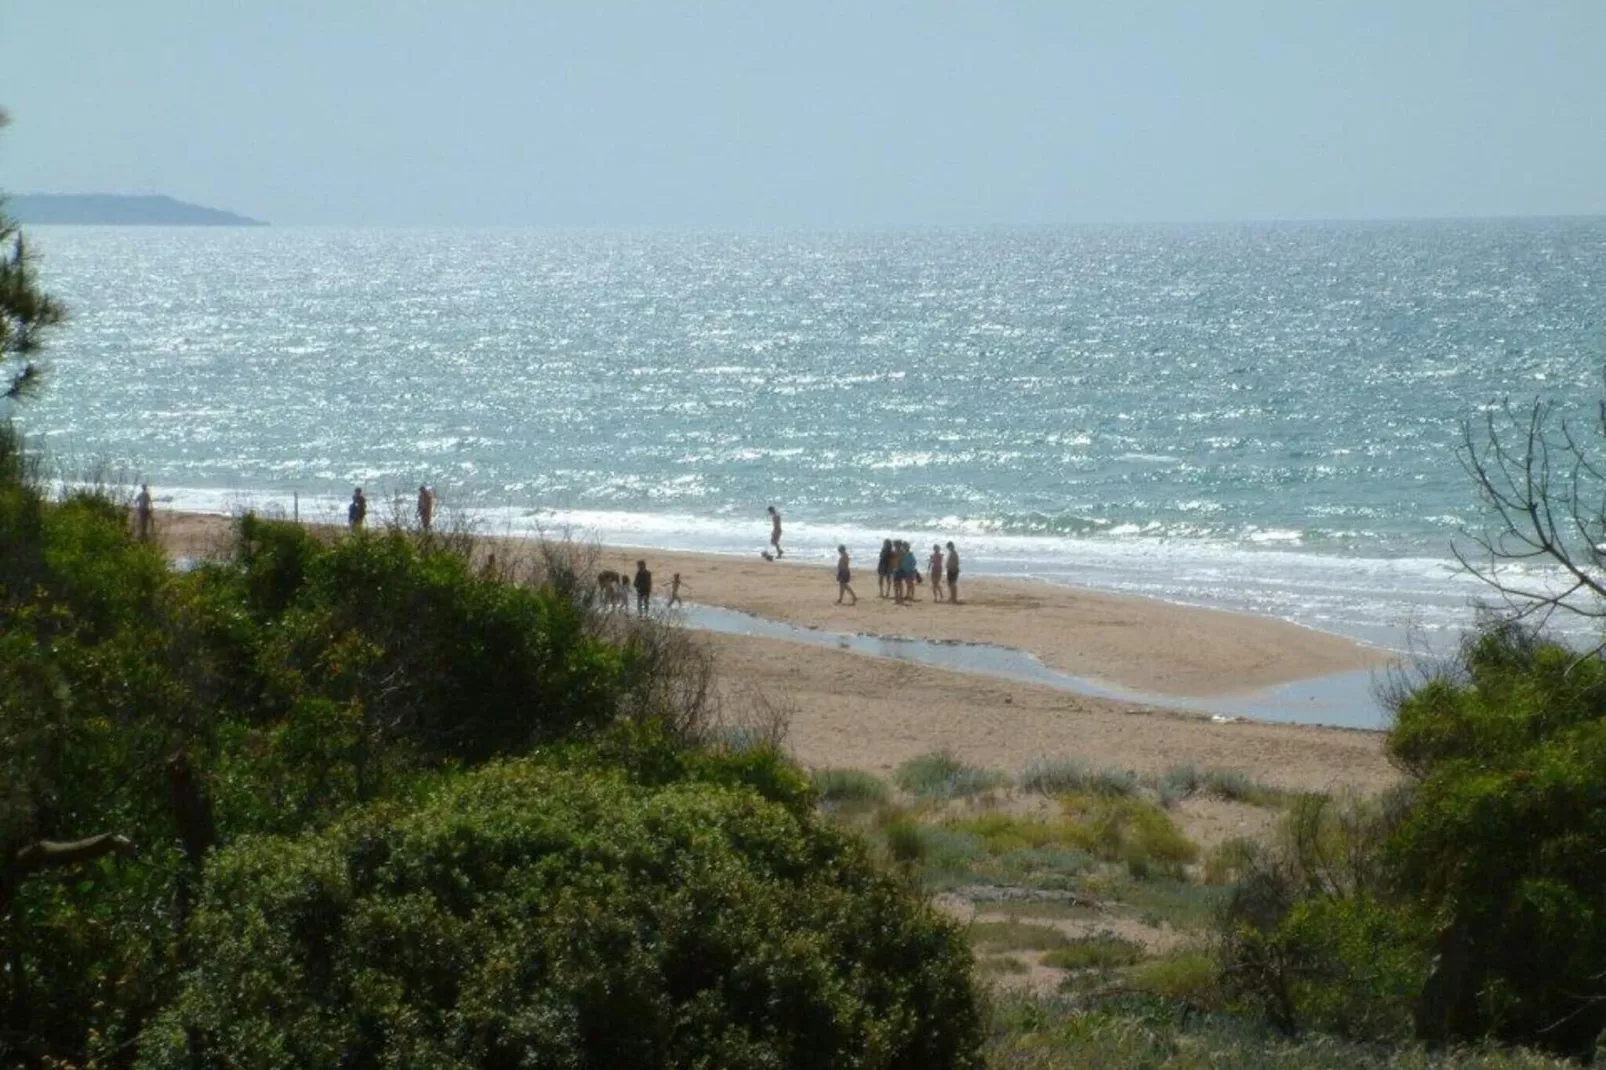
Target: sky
x: 751, y: 113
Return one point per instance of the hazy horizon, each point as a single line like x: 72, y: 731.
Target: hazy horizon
x: 722, y: 115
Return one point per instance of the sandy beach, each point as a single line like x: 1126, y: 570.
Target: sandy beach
x: 872, y: 713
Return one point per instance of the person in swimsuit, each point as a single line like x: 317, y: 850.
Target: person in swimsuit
x: 844, y: 577
x: 883, y: 569
x: 953, y: 574
x: 775, y: 530
x: 934, y: 568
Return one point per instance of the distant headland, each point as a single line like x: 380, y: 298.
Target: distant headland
x: 115, y: 209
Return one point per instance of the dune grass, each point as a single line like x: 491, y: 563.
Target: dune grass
x: 1100, y: 951
x: 849, y: 786
x: 1015, y: 936
x: 940, y: 775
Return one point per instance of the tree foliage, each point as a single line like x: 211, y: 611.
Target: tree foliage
x: 1470, y: 905
x: 26, y: 312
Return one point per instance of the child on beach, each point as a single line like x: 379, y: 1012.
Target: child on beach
x: 934, y: 567
x: 674, y: 590
x: 844, y: 577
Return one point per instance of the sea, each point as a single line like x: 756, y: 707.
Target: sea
x: 1262, y: 417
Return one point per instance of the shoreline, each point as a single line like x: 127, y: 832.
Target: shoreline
x: 855, y: 710
x: 1396, y: 603
x: 1127, y: 642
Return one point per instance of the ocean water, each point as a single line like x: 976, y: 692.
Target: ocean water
x: 1263, y: 417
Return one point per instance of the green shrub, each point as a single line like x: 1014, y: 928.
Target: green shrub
x: 1133, y: 831
x: 1236, y: 786
x: 1014, y: 935
x: 1062, y: 776
x: 1188, y: 975
x: 1101, y: 951
x: 1000, y: 832
x: 1001, y: 966
x: 531, y: 916
x: 460, y: 665
x: 1229, y: 860
x: 1184, y: 781
x: 904, y: 839
x: 849, y: 786
x: 1466, y: 905
x: 1503, y: 845
x: 940, y: 775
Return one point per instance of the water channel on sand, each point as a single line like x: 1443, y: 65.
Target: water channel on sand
x: 1341, y: 700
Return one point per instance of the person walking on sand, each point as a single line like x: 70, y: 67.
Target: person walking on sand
x: 674, y: 591
x: 643, y: 586
x: 357, y: 511
x: 953, y: 575
x: 934, y: 569
x: 142, y: 512
x: 775, y: 531
x: 844, y: 577
x: 426, y: 508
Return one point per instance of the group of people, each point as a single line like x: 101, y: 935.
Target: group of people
x: 615, y: 587
x: 357, y: 510
x: 898, y: 572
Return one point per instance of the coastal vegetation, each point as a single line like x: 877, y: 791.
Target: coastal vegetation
x: 323, y: 800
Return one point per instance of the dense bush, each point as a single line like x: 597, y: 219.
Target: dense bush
x: 1469, y: 905
x: 529, y: 916
x: 1505, y: 844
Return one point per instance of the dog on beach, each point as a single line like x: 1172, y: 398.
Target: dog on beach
x: 613, y: 587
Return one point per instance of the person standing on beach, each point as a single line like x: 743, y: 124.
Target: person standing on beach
x: 883, y: 569
x: 674, y: 591
x: 142, y: 512
x: 426, y: 508
x: 643, y: 587
x: 934, y: 569
x: 953, y: 574
x: 775, y: 531
x: 910, y: 569
x: 844, y: 577
x: 357, y: 511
